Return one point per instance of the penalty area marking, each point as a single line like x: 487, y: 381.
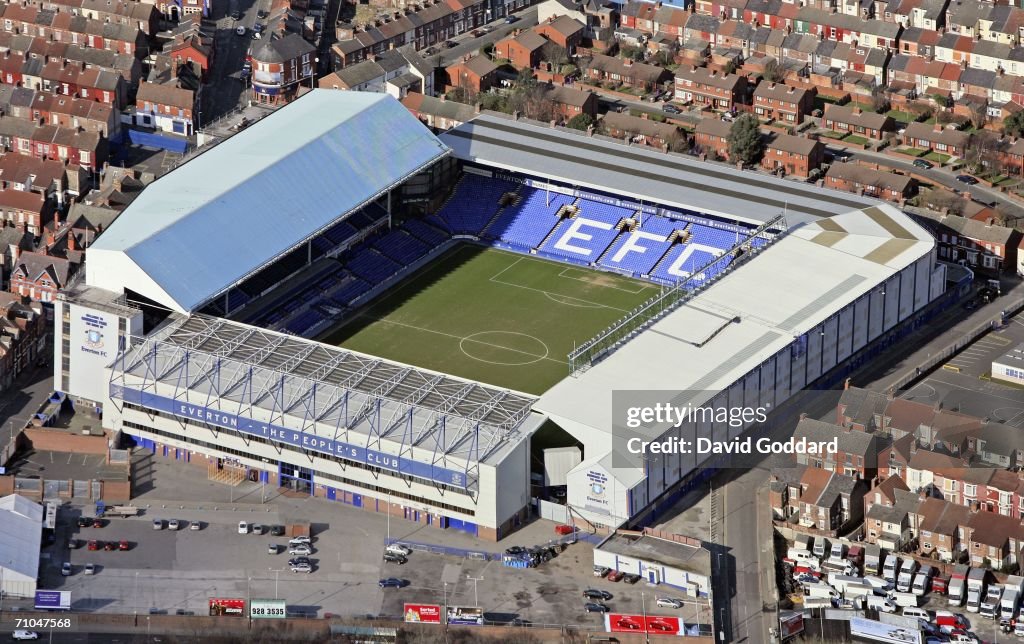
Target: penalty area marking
x: 589, y: 277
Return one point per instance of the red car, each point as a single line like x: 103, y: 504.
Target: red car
x: 564, y: 529
x: 615, y: 575
x: 631, y: 624
x: 110, y: 545
x: 123, y: 545
x: 95, y: 545
x: 656, y: 625
x: 97, y: 523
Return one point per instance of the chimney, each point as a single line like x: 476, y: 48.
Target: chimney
x: 856, y: 109
x: 56, y: 221
x: 803, y: 416
x: 938, y: 126
x: 846, y: 384
x: 989, y: 222
x: 71, y: 241
x: 890, y: 394
x: 922, y: 495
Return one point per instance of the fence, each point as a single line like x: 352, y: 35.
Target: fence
x: 584, y: 356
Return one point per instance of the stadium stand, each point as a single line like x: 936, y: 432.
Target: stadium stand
x: 431, y: 234
x: 599, y: 240
x: 696, y: 259
x: 401, y: 246
x: 473, y: 204
x: 303, y: 321
x: 349, y: 291
x: 637, y: 262
x: 524, y: 226
x: 721, y: 239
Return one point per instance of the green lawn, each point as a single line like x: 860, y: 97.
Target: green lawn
x: 904, y: 117
x: 916, y: 152
x: 494, y: 316
x: 937, y: 157
x: 831, y: 134
x: 856, y: 140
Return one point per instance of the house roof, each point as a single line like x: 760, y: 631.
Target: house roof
x: 779, y: 92
x: 850, y: 441
x: 565, y: 25
x: 793, y: 144
x: 33, y: 266
x: 713, y: 127
x: 166, y: 95
x: 705, y: 76
x: 563, y: 95
x: 972, y: 228
x: 627, y: 123
x: 452, y: 110
x: 848, y: 114
x: 868, y: 176
x: 279, y: 50
x: 479, y: 65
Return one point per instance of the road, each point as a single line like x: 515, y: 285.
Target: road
x: 942, y: 177
x: 23, y: 398
x: 468, y: 44
x: 225, y: 88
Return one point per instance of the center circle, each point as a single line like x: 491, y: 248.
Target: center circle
x: 504, y: 348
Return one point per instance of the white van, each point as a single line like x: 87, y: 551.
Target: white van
x: 881, y: 604
x: 919, y: 613
x: 243, y: 527
x: 821, y: 547
x: 800, y: 556
x: 892, y: 564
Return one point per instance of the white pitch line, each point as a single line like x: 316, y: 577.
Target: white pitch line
x: 568, y: 297
x: 465, y: 339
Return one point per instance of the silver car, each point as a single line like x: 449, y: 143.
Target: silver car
x: 301, y: 549
x: 302, y: 567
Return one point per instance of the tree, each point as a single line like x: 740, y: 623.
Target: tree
x: 745, y: 144
x: 940, y: 200
x: 580, y: 122
x: 879, y: 101
x: 678, y: 141
x: 774, y: 72
x: 730, y: 67
x: 1014, y: 123
x: 982, y: 150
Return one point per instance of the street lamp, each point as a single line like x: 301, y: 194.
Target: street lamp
x: 277, y: 576
x: 136, y: 596
x: 643, y: 607
x: 476, y: 597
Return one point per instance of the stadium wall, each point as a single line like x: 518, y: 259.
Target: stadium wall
x: 494, y: 508
x: 822, y: 349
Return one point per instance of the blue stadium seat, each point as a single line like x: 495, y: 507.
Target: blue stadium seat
x: 303, y: 321
x: 371, y: 266
x: 350, y: 291
x: 524, y: 226
x: 401, y: 246
x: 591, y: 248
x: 473, y: 204
x: 695, y: 259
x: 721, y: 239
x: 425, y: 231
x: 639, y: 262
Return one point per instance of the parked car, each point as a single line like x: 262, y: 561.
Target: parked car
x: 258, y: 529
x: 95, y: 545
x: 84, y: 522
x: 430, y: 51
x: 393, y: 558
x: 243, y: 527
x: 236, y: 15
x: 299, y: 560
x: 110, y: 546
x: 392, y: 582
x: 258, y: 28
x: 300, y: 540
x: 240, y: 30
x: 74, y: 544
x: 595, y: 607
x: 515, y: 550
x: 631, y: 579
x: 924, y: 165
x: 966, y: 179
x: 277, y: 530
x: 261, y: 14
x: 450, y: 44
x: 398, y: 549
x: 301, y: 549
x: 123, y: 545
x: 510, y: 19
x: 173, y: 524
x: 90, y: 569
x: 256, y: 35
x: 98, y: 523
x: 302, y: 567
x: 65, y: 569
x: 195, y: 525
x: 616, y: 575
x: 669, y: 602
x: 594, y: 593
x: 21, y: 635
x: 158, y: 524
x: 273, y: 549
x: 671, y: 109
x: 600, y: 571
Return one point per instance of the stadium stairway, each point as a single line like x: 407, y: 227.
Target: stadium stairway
x: 664, y: 258
x: 490, y: 222
x: 562, y: 223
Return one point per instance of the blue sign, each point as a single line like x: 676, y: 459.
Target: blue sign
x: 53, y: 599
x: 292, y: 437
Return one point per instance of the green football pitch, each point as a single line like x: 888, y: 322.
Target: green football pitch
x: 490, y: 315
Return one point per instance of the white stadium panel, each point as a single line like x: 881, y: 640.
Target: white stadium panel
x: 829, y: 342
x: 798, y: 368
x: 876, y: 314
x: 783, y: 374
x: 752, y: 389
x: 938, y: 281
x: 860, y: 322
x: 768, y: 392
x: 922, y: 284
x: 906, y: 292
x: 844, y: 333
x: 892, y: 302
x: 814, y: 341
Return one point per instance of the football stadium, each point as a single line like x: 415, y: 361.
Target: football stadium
x: 339, y: 302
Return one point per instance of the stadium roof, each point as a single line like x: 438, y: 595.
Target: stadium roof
x: 749, y: 315
x: 284, y: 371
x: 601, y: 164
x: 21, y: 532
x: 226, y: 213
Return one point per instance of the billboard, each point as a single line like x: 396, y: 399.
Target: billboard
x: 423, y: 613
x: 790, y: 624
x: 94, y: 342
x: 53, y: 599
x: 465, y: 615
x: 220, y: 606
x: 267, y: 609
x: 879, y: 632
x: 652, y: 624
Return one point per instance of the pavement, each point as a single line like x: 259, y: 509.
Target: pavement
x: 23, y: 398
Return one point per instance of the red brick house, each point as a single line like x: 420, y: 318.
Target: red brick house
x: 87, y: 149
x: 437, y: 113
x: 843, y: 118
x: 1013, y: 158
x: 701, y: 86
x: 858, y: 179
x: 48, y: 178
x: 639, y: 130
x: 74, y: 112
x: 712, y: 137
x: 795, y: 156
x: 937, y: 138
x: 569, y: 101
x: 818, y: 498
x: 22, y: 336
x: 783, y: 102
x: 165, y: 107
x: 983, y: 246
x: 609, y: 69
x: 939, y: 529
x: 40, y: 276
x: 523, y: 49
x: 564, y: 31
x: 279, y: 66
x: 19, y: 207
x: 475, y: 75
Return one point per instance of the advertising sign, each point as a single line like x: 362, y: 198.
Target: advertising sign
x: 220, y: 607
x: 652, y: 624
x: 93, y: 337
x: 879, y: 632
x: 267, y: 609
x: 423, y: 613
x: 53, y: 599
x: 791, y: 624
x: 303, y: 440
x: 465, y: 615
